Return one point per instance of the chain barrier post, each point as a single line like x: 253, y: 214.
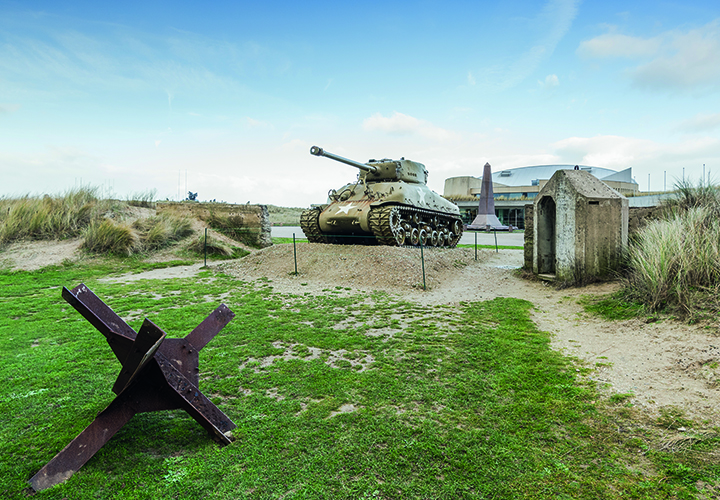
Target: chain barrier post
x: 295, y: 254
x: 205, y: 247
x: 475, y: 245
x: 422, y: 258
x: 495, y: 233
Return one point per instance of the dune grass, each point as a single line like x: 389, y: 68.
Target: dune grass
x: 51, y: 217
x: 673, y: 263
x: 336, y: 395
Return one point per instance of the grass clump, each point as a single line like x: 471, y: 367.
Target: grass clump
x: 215, y: 248
x: 119, y: 238
x: 143, y: 199
x: 674, y: 263
x: 108, y: 236
x: 50, y: 217
x: 159, y: 232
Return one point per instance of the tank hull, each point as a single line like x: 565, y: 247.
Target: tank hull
x: 361, y: 220
x: 390, y: 204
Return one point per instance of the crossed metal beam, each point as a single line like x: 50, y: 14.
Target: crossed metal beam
x: 157, y: 374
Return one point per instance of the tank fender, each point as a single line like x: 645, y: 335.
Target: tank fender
x: 341, y: 217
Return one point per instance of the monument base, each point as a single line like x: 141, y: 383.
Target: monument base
x: 485, y: 221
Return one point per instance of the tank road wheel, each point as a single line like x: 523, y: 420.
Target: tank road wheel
x: 414, y: 236
x: 394, y: 218
x: 400, y: 236
x: 310, y: 225
x: 457, y: 230
x: 423, y: 237
x: 435, y: 238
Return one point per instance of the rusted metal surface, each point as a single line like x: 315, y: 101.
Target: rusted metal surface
x: 157, y: 374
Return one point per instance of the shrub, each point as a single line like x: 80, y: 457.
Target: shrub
x: 107, y: 236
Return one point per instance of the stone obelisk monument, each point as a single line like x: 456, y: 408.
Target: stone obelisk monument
x: 486, y: 208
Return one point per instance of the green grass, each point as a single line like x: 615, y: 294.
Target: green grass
x: 613, y: 307
x: 499, y: 247
x: 464, y: 401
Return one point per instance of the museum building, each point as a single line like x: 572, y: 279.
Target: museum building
x: 516, y: 187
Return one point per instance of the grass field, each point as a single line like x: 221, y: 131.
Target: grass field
x: 336, y: 395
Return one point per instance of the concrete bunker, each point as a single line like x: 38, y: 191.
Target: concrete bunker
x: 580, y: 228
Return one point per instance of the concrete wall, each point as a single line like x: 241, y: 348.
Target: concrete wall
x: 580, y: 228
x: 640, y: 216
x: 252, y: 220
x: 529, y: 238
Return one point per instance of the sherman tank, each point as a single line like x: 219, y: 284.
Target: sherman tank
x: 389, y: 204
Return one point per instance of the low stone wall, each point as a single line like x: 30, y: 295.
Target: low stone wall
x: 639, y: 216
x: 252, y: 220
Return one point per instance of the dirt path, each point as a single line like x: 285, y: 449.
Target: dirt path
x: 661, y: 363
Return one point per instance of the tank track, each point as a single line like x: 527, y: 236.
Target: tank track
x: 402, y: 226
x: 310, y: 225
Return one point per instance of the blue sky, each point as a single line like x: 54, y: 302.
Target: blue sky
x: 231, y: 95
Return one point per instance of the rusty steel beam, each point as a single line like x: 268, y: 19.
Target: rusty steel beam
x: 157, y: 374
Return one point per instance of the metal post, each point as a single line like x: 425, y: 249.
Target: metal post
x: 295, y: 254
x: 422, y: 258
x: 475, y: 245
x: 495, y: 233
x: 205, y: 247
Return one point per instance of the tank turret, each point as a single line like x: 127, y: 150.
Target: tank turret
x: 389, y: 204
x: 382, y: 170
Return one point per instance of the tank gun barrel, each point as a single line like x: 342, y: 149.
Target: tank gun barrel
x: 362, y: 166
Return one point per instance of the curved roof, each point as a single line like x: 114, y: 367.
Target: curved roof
x: 524, y: 176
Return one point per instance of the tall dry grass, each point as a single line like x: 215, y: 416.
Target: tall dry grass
x: 50, y: 217
x: 674, y: 263
x: 80, y: 212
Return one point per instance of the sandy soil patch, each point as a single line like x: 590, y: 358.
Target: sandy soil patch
x: 32, y: 255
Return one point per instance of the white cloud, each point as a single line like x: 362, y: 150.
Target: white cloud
x: 619, y: 152
x: 549, y: 82
x: 673, y: 60
x: 617, y: 45
x: 700, y: 123
x: 401, y: 124
x: 470, y: 78
x: 8, y: 108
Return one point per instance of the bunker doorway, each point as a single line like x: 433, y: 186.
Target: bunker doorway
x: 546, y: 236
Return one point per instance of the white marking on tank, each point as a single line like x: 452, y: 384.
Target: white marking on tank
x: 345, y: 209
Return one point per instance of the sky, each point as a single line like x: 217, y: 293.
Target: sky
x: 226, y: 98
